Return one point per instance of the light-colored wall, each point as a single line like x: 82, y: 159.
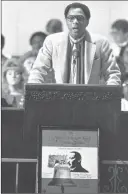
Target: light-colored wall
x: 21, y: 18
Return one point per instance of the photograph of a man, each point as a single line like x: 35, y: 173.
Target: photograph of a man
x: 74, y: 162
x: 76, y: 57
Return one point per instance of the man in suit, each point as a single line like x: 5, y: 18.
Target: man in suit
x: 74, y: 161
x: 77, y: 57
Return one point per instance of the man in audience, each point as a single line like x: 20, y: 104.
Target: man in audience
x: 119, y: 33
x: 124, y: 101
x: 54, y: 26
x: 77, y: 57
x: 122, y: 61
x: 36, y: 42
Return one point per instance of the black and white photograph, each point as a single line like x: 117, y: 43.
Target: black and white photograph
x: 64, y: 97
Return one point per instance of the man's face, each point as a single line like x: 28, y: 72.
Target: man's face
x: 119, y: 36
x: 76, y: 22
x: 37, y: 42
x: 72, y: 160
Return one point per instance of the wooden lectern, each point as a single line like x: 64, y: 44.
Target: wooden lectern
x: 74, y: 105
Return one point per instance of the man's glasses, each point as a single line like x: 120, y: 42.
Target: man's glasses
x: 78, y: 17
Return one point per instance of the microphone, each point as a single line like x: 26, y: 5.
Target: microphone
x: 76, y: 55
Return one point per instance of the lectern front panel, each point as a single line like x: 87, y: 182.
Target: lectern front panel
x: 68, y: 160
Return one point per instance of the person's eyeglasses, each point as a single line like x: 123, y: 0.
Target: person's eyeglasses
x: 78, y: 17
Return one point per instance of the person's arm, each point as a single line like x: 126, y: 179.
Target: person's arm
x: 110, y: 70
x: 43, y: 63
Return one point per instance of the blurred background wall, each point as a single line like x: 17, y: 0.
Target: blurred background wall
x: 21, y: 18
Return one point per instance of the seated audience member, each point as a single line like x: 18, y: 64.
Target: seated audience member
x: 122, y: 61
x: 124, y: 102
x: 13, y: 84
x: 36, y: 42
x: 119, y: 33
x: 54, y: 26
x: 3, y: 57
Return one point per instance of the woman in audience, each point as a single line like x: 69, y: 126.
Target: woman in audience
x: 27, y: 60
x: 13, y: 83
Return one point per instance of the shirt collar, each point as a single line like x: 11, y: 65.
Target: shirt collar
x: 77, y: 40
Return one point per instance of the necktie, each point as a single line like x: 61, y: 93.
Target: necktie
x: 76, y: 60
x: 75, y: 53
x: 76, y: 63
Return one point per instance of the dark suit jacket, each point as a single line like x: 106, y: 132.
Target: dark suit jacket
x: 80, y: 169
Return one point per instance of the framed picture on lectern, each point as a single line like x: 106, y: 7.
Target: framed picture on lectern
x: 68, y: 160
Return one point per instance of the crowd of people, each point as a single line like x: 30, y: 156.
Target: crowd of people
x: 15, y: 70
x: 19, y: 70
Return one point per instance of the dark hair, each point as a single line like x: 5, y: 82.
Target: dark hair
x: 121, y: 24
x: 12, y: 63
x: 57, y: 161
x: 42, y: 34
x: 2, y: 41
x: 54, y: 25
x: 78, y: 5
x: 77, y: 155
